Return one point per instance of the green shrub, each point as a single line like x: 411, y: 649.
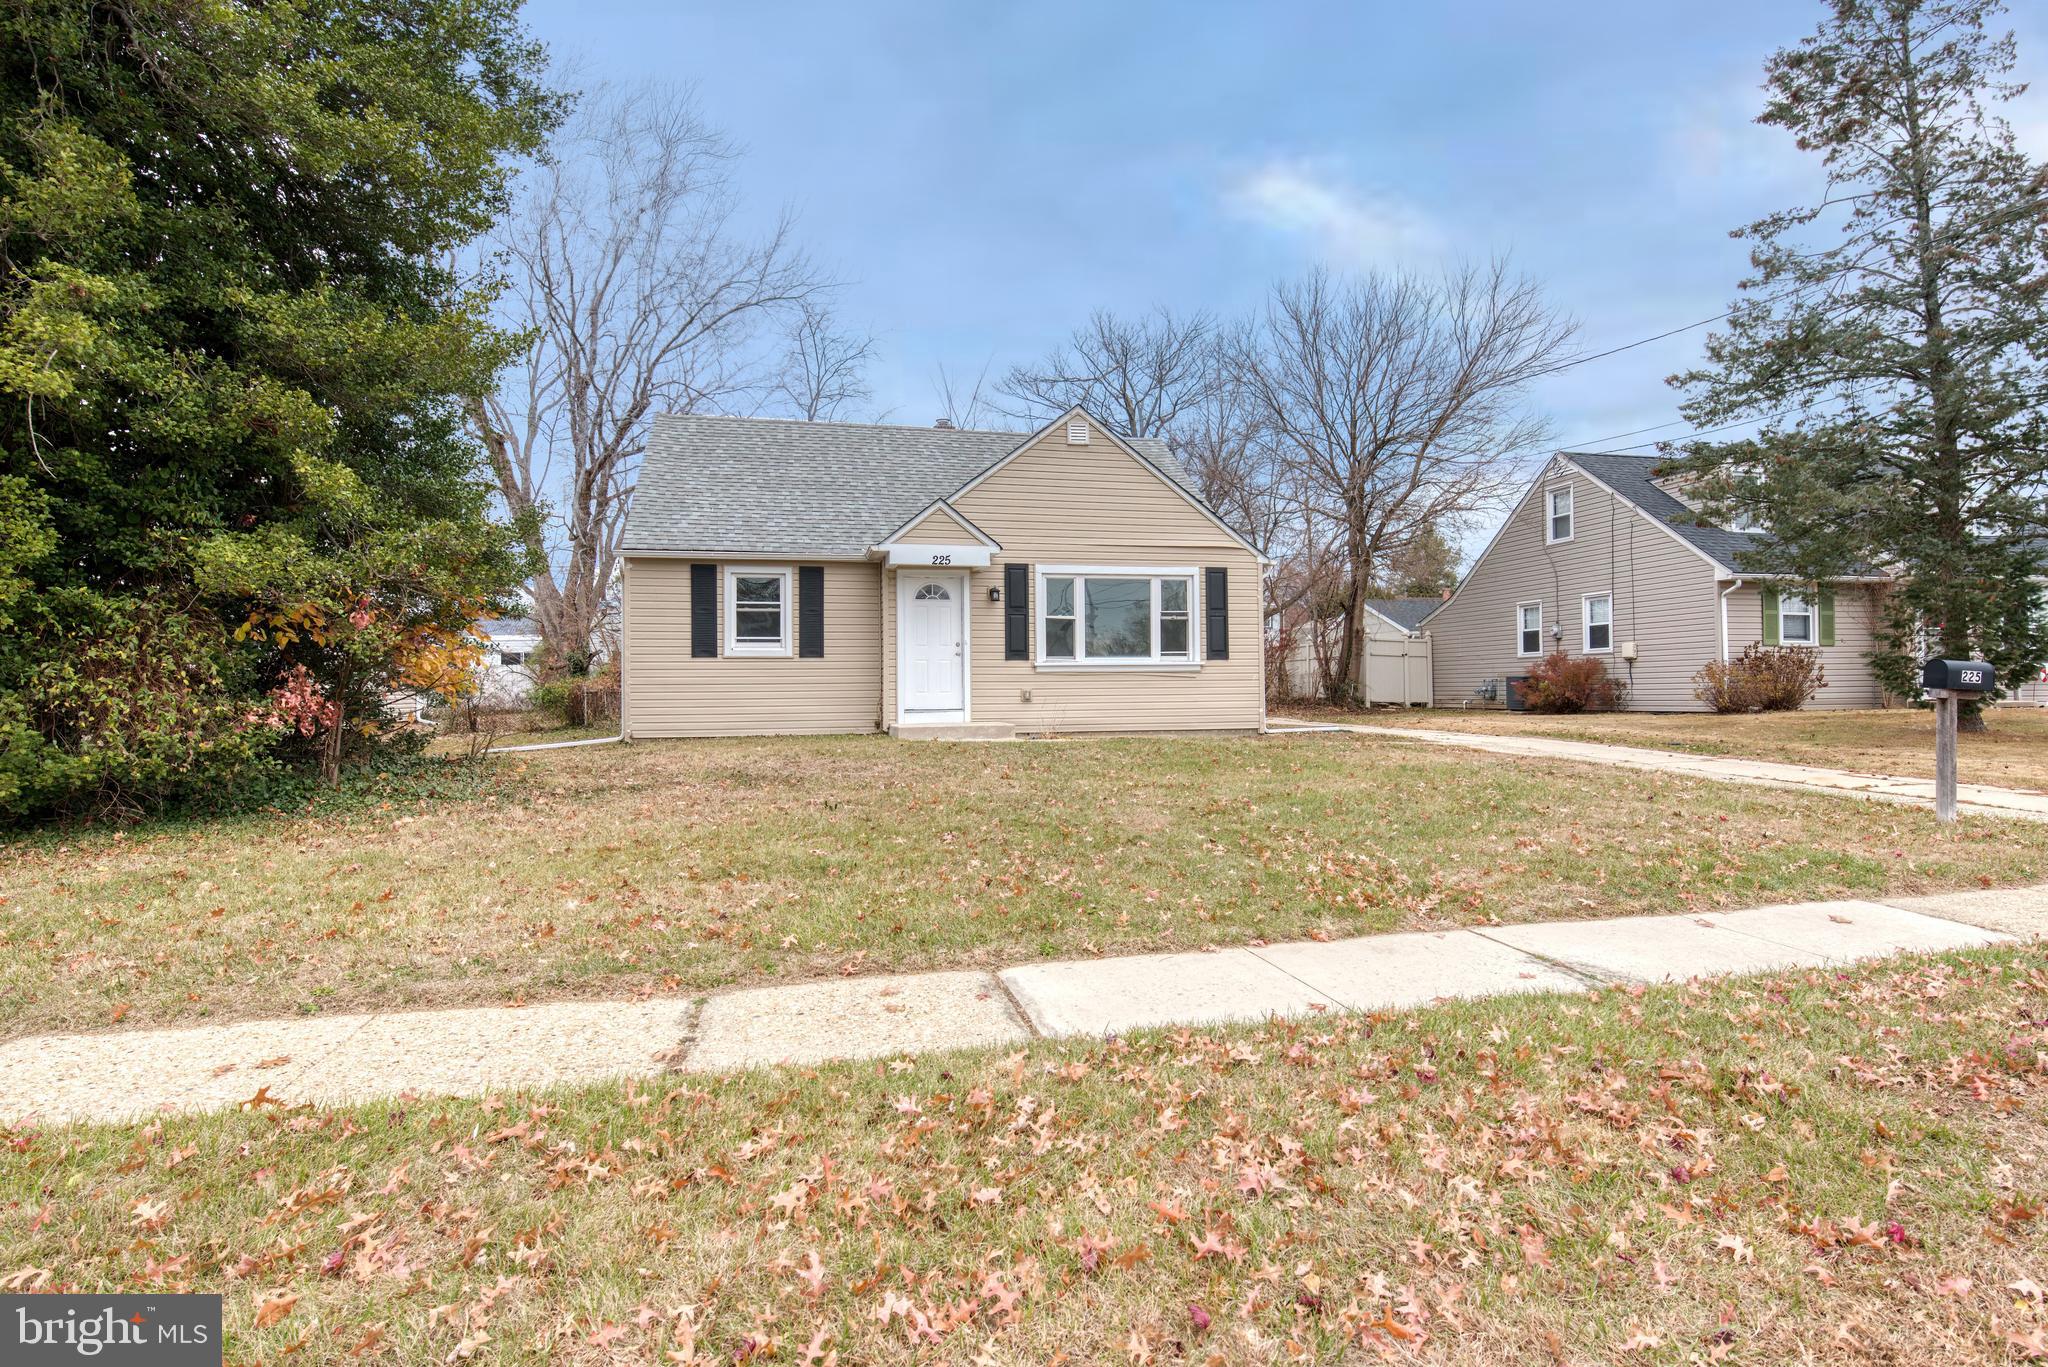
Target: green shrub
x: 115, y: 706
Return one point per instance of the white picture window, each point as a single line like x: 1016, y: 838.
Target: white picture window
x: 1560, y: 525
x: 1529, y: 629
x: 756, y: 610
x: 1113, y: 617
x: 1599, y: 620
x: 1795, y: 620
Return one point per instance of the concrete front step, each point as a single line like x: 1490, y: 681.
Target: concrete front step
x: 955, y: 730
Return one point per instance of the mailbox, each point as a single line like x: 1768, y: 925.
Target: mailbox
x: 1958, y: 676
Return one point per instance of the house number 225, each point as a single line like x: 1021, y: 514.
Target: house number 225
x: 942, y: 559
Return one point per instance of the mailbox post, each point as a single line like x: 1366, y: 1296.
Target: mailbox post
x: 1947, y: 682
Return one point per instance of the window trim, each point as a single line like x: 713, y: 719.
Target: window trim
x: 1537, y: 653
x: 1080, y: 574
x: 756, y: 650
x: 1809, y: 610
x: 1586, y: 646
x: 1571, y: 513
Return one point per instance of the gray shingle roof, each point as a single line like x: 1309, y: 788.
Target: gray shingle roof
x: 1631, y: 477
x: 1406, y: 613
x: 776, y: 486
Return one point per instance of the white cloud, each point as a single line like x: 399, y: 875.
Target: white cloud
x: 1344, y: 224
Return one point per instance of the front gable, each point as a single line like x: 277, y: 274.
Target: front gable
x: 941, y: 525
x: 1074, y: 486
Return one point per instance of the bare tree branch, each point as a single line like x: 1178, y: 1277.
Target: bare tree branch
x: 640, y: 298
x: 824, y: 369
x: 1141, y: 377
x: 1396, y: 407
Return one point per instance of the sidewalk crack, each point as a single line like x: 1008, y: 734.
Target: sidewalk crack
x: 1316, y: 988
x: 677, y: 1059
x: 1017, y: 1010
x: 1591, y: 977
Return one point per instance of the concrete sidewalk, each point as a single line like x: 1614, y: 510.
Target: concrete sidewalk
x: 123, y: 1075
x: 1971, y: 798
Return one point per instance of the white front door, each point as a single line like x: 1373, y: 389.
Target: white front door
x: 932, y: 659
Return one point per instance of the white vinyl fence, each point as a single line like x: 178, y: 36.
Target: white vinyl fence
x: 1397, y: 670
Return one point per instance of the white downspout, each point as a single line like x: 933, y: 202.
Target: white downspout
x: 1724, y: 618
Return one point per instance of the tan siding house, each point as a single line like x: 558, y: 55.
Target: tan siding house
x: 789, y: 577
x: 1599, y: 559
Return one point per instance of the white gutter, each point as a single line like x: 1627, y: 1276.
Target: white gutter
x: 1724, y: 618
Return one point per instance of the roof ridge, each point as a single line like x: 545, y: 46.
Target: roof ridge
x: 1020, y: 434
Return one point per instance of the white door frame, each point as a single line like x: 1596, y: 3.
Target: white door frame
x: 958, y: 579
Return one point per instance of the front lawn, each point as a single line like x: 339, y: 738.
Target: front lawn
x: 1811, y: 1166
x: 675, y: 867
x: 2013, y: 753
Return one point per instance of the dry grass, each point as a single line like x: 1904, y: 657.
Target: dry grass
x: 1804, y: 1167
x: 685, y: 866
x: 1899, y: 741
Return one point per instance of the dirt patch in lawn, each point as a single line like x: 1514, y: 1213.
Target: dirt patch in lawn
x: 684, y: 866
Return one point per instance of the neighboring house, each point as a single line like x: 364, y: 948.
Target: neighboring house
x: 508, y: 663
x: 1602, y: 558
x: 785, y: 577
x: 1386, y: 619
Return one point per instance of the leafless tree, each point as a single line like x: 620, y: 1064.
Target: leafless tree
x: 1140, y: 376
x: 824, y: 368
x: 1228, y: 451
x: 969, y: 407
x: 640, y: 296
x: 1397, y: 405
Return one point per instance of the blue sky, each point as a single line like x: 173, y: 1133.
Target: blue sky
x: 983, y: 176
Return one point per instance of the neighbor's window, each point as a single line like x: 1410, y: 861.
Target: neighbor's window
x: 1113, y: 617
x: 756, y: 611
x: 511, y: 657
x: 1529, y: 629
x: 1560, y: 515
x: 1599, y: 623
x: 1795, y: 620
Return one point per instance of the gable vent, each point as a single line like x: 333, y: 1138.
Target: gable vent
x: 1077, y: 434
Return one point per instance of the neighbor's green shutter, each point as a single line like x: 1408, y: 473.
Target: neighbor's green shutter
x: 1827, y: 617
x: 1770, y: 617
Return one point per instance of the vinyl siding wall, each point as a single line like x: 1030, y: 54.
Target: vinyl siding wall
x: 939, y: 528
x: 1664, y: 599
x: 1849, y: 680
x: 1096, y: 505
x: 668, y: 693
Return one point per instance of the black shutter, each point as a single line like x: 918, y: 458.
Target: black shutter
x: 1016, y: 612
x: 810, y: 611
x: 703, y: 611
x: 1216, y: 608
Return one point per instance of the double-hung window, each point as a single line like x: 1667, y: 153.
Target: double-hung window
x: 756, y: 610
x: 1598, y: 616
x: 1795, y: 620
x: 1114, y: 617
x: 1559, y: 502
x: 1529, y: 629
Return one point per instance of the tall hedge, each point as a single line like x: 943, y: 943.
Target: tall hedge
x: 231, y: 341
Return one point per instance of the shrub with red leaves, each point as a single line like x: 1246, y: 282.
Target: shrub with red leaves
x: 1566, y: 683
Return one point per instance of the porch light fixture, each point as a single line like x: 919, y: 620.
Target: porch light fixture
x: 995, y: 595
